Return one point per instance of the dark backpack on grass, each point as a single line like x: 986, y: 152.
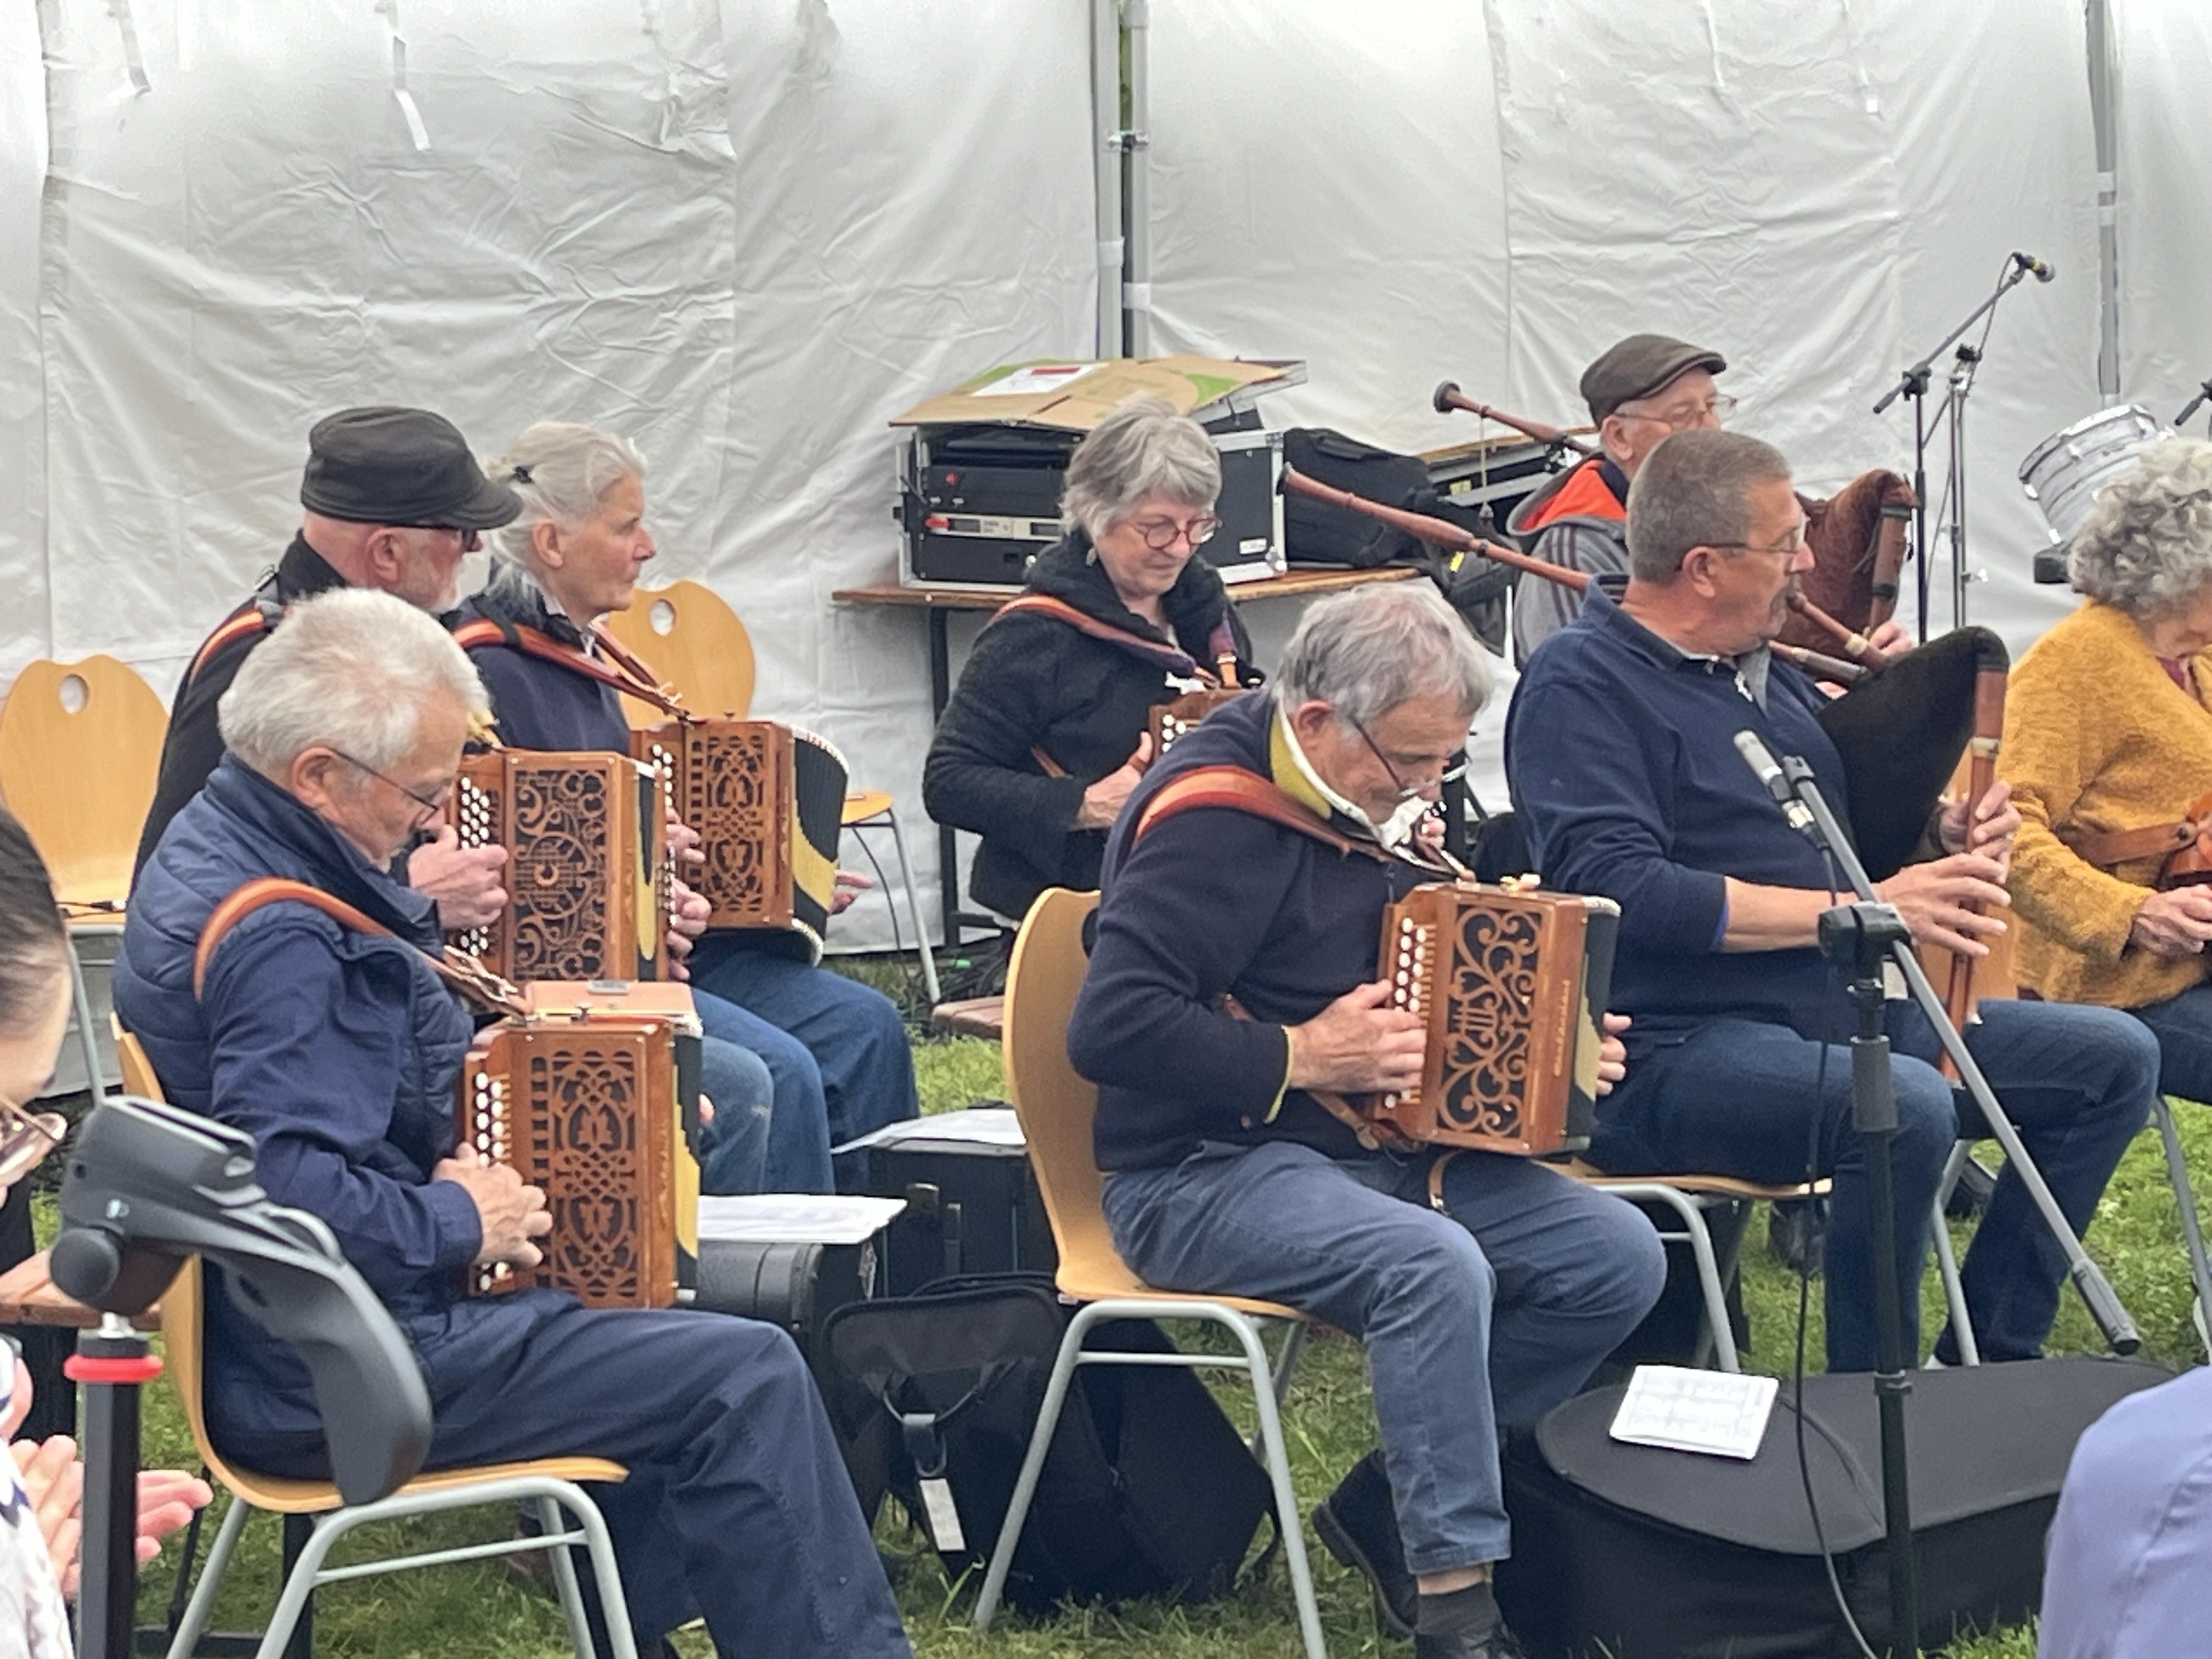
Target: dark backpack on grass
x: 1147, y: 1489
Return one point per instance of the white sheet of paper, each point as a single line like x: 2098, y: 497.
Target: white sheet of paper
x: 972, y: 1125
x: 1036, y: 378
x: 1682, y: 1410
x: 796, y: 1217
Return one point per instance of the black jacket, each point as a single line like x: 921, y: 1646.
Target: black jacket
x: 1035, y: 682
x: 194, y: 744
x: 539, y: 704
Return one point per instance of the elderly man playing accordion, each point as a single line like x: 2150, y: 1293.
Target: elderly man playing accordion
x: 1620, y: 750
x: 338, y: 1049
x: 1231, y: 979
x: 2108, y: 745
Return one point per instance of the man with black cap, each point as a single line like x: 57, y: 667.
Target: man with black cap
x: 1640, y: 391
x: 394, y: 498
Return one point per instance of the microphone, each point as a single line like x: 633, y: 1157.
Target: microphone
x: 1768, y: 771
x: 2034, y: 267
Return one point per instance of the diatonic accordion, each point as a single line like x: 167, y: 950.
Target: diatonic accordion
x: 594, y: 1097
x: 1510, y: 986
x: 768, y: 801
x: 587, y: 873
x: 1170, y: 720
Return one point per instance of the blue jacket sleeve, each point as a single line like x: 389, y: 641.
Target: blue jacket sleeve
x: 1185, y: 912
x: 306, y: 1057
x: 1591, y: 784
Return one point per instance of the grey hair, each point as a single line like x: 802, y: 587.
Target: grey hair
x: 1367, y: 652
x: 1143, y: 448
x: 1694, y: 490
x: 2146, y: 547
x: 559, y: 469
x: 353, y: 669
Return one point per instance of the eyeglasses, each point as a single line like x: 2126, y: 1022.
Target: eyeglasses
x: 1791, y: 548
x: 471, y: 540
x: 1160, y: 534
x: 431, y: 806
x: 1443, y: 764
x: 1720, y: 407
x: 26, y: 1138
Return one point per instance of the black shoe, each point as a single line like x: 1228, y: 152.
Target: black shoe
x: 1464, y: 1645
x: 1797, y: 1235
x: 1359, y: 1525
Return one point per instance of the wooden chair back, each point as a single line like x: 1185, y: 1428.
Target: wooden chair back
x: 689, y: 636
x: 80, y: 749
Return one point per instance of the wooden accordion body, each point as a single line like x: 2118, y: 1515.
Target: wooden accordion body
x: 1170, y: 720
x: 594, y: 1096
x: 768, y: 801
x: 586, y: 874
x: 1509, y: 985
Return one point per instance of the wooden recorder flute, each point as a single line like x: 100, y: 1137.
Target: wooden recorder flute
x: 1448, y: 397
x: 1441, y: 532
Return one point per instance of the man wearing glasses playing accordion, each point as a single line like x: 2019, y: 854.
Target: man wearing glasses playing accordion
x: 338, y: 1047
x: 1232, y: 987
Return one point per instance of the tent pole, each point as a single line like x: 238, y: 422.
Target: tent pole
x: 1106, y: 123
x: 1137, y: 293
x: 2103, y: 91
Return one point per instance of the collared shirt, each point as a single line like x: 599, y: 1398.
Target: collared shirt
x: 1294, y: 774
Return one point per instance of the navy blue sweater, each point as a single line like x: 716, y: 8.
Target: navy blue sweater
x: 1211, y: 900
x: 539, y: 704
x: 1621, y: 756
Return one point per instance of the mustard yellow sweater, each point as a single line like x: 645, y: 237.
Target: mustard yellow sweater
x: 2098, y: 738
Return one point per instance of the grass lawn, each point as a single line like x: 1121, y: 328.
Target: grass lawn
x: 487, y: 1611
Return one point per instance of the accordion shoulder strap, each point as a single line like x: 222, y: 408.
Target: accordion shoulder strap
x: 1172, y: 659
x: 1241, y: 790
x: 627, y: 676
x: 459, y: 970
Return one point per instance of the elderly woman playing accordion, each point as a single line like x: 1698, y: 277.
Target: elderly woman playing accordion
x: 1046, y: 733
x: 2108, y: 745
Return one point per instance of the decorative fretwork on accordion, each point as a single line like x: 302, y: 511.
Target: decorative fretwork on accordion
x: 588, y: 889
x: 1509, y: 985
x: 595, y: 1097
x: 1169, y: 721
x: 768, y: 801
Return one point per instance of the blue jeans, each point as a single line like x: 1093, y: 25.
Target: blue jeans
x: 787, y: 1145
x: 733, y: 1148
x: 1491, y: 1314
x: 1735, y: 1096
x: 2183, y: 1026
x: 836, y: 1048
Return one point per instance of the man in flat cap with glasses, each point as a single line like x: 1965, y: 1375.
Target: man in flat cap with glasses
x: 394, y: 498
x: 1644, y: 389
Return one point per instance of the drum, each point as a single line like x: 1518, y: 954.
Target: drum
x: 2064, y: 473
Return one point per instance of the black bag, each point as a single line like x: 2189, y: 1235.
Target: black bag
x: 1147, y: 1489
x: 1318, y: 532
x: 1639, y: 1553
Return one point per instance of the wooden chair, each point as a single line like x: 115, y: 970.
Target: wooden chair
x: 1055, y: 1106
x: 976, y: 1016
x: 548, y: 1484
x: 689, y: 636
x: 80, y: 751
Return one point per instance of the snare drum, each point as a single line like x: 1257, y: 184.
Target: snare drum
x: 2062, y: 474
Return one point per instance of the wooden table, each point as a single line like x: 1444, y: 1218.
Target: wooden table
x: 938, y: 600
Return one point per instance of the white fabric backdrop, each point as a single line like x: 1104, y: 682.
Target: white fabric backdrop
x: 743, y: 234
x: 747, y: 231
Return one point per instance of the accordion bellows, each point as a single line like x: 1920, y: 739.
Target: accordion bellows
x: 595, y: 1097
x: 768, y: 801
x: 1509, y: 985
x: 586, y: 877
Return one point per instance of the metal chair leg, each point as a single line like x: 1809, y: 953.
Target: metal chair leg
x: 95, y: 1077
x: 553, y: 1523
x: 914, y: 910
x: 1947, y: 1259
x: 1287, y: 1517
x: 1025, y: 1484
x: 2177, y: 1173
x: 201, y: 1607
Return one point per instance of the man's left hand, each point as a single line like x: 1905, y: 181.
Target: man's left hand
x: 1994, y: 825
x: 1892, y: 638
x: 1612, y: 1054
x: 851, y: 884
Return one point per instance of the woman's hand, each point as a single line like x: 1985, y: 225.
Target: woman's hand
x: 1102, y: 801
x: 2174, y: 924
x: 849, y: 886
x: 1996, y: 823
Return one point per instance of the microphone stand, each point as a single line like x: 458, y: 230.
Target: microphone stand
x: 2204, y: 392
x: 1796, y: 785
x: 1913, y: 383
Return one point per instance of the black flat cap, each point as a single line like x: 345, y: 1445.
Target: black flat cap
x: 1639, y: 366
x: 400, y: 466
